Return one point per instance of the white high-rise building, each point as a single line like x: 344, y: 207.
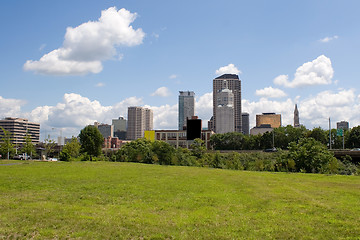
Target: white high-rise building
x: 186, y: 107
x: 234, y: 84
x: 225, y: 110
x: 139, y: 120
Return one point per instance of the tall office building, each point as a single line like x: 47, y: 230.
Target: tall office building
x: 342, y: 125
x: 186, y: 107
x: 18, y: 128
x: 119, y: 128
x: 296, y: 117
x: 234, y: 84
x: 225, y: 110
x: 245, y: 121
x: 106, y: 130
x: 139, y: 120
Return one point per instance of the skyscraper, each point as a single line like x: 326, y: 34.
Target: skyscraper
x: 225, y: 110
x: 234, y: 84
x: 186, y: 107
x: 296, y: 117
x: 245, y: 121
x: 139, y: 120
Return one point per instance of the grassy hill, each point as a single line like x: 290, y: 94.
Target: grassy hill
x: 106, y: 200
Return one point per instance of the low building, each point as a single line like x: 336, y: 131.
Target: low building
x: 269, y: 118
x: 261, y: 129
x: 178, y: 138
x: 113, y: 143
x: 19, y: 128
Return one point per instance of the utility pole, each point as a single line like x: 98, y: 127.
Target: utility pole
x: 329, y: 133
x: 273, y: 132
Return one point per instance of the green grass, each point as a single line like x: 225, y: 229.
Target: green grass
x: 104, y: 200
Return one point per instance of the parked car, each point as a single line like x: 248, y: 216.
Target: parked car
x: 271, y: 150
x: 22, y: 157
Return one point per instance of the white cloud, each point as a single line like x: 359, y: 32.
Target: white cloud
x: 87, y: 45
x: 204, y: 107
x: 100, y: 84
x: 165, y: 116
x: 270, y: 92
x: 10, y: 107
x: 76, y: 111
x: 155, y: 35
x: 173, y: 76
x: 229, y: 69
x: 162, y: 92
x: 285, y: 108
x: 317, y: 72
x: 42, y: 47
x: 328, y: 39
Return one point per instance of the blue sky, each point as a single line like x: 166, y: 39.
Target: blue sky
x: 144, y: 52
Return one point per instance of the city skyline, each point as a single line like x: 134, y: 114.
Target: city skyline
x: 65, y: 65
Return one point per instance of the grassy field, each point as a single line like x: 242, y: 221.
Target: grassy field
x: 104, y: 200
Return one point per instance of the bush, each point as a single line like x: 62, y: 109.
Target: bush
x: 64, y: 155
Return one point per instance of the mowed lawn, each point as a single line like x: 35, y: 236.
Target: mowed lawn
x: 105, y: 200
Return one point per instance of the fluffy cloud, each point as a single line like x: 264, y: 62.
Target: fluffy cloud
x: 229, y: 69
x: 204, y: 107
x: 317, y: 72
x: 74, y: 112
x: 87, y: 45
x: 270, y: 92
x: 10, y: 107
x: 162, y: 92
x: 285, y: 108
x: 328, y: 39
x: 165, y: 116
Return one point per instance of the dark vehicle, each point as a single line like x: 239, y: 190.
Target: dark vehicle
x: 271, y: 150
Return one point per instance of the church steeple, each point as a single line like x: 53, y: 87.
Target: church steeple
x: 296, y: 117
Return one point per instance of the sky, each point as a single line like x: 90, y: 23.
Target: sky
x: 66, y: 64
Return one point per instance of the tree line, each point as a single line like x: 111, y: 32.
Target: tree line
x: 303, y: 151
x: 281, y: 138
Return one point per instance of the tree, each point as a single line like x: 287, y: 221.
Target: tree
x: 310, y: 156
x: 49, y: 146
x: 70, y: 150
x: 266, y: 140
x: 6, y: 147
x: 91, y: 141
x: 198, y: 148
x: 163, y: 151
x: 28, y: 146
x: 73, y: 147
x: 319, y: 135
x: 353, y: 138
x: 139, y: 150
